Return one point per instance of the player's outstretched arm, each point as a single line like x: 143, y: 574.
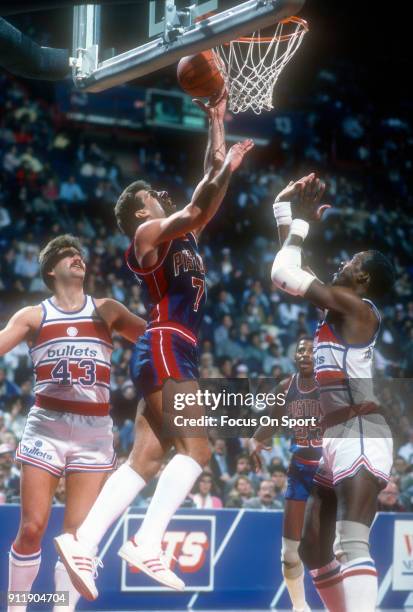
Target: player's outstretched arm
x: 120, y: 320
x: 21, y: 327
x: 206, y: 200
x: 215, y: 152
x: 287, y: 272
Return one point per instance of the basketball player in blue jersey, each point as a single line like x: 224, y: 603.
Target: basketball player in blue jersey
x: 357, y: 444
x: 165, y: 259
x: 301, y: 401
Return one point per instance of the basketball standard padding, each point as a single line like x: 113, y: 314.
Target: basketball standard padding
x: 198, y: 75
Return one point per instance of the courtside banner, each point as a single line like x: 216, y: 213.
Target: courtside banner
x: 229, y: 558
x: 403, y: 556
x: 189, y: 548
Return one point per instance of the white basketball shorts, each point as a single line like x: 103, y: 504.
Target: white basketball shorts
x: 362, y: 442
x: 60, y: 442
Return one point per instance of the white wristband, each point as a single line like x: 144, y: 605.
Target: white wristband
x: 300, y: 228
x: 282, y: 213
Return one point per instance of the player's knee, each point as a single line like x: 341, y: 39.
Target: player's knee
x: 291, y: 562
x: 289, y: 552
x: 31, y: 532
x: 352, y: 541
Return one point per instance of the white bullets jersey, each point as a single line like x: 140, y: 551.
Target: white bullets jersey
x: 71, y: 356
x: 344, y: 372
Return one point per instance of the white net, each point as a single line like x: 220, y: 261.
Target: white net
x: 251, y: 66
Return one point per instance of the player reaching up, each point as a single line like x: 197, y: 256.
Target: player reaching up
x: 68, y: 431
x: 357, y: 443
x: 165, y: 259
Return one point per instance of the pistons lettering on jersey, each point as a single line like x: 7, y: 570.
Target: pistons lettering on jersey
x: 185, y: 261
x: 304, y: 408
x: 71, y: 351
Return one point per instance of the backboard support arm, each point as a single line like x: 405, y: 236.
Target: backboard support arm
x: 181, y: 36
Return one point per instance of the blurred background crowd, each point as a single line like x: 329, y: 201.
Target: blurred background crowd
x: 57, y: 176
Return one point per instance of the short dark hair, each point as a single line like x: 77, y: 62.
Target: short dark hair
x: 381, y: 272
x: 49, y: 255
x: 127, y: 205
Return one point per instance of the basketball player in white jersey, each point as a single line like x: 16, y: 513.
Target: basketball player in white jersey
x: 68, y: 431
x: 357, y: 444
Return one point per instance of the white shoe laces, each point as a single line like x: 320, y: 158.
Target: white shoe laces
x: 96, y: 562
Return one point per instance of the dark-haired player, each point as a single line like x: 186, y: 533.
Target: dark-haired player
x: 301, y: 401
x: 166, y: 262
x: 357, y: 444
x: 68, y: 431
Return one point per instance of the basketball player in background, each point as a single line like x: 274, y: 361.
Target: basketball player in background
x: 357, y: 444
x: 165, y: 259
x: 301, y: 401
x: 68, y: 432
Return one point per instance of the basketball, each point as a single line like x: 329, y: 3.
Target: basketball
x: 198, y: 75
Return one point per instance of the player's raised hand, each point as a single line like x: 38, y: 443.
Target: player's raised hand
x: 216, y: 106
x: 237, y: 152
x: 306, y: 198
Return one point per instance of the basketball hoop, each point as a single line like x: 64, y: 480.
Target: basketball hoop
x: 251, y: 65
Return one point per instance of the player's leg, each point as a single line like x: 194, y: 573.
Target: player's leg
x: 356, y: 508
x: 292, y: 566
x: 117, y: 494
x: 316, y: 547
x: 175, y: 483
x: 179, y: 476
x: 124, y: 484
x: 37, y: 487
x: 82, y: 489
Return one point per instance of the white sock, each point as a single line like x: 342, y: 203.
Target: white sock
x: 360, y: 584
x: 296, y: 591
x: 118, y: 493
x: 23, y: 570
x: 329, y: 585
x: 175, y: 482
x: 62, y: 582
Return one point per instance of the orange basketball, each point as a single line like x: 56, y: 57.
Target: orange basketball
x: 198, y: 75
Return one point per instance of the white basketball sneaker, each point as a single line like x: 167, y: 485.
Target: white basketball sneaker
x: 80, y: 564
x: 152, y: 563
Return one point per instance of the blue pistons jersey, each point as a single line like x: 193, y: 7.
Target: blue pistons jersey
x: 174, y: 290
x: 174, y: 294
x: 306, y: 442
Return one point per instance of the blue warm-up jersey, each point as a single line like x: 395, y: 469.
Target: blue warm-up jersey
x: 306, y: 442
x: 174, y: 289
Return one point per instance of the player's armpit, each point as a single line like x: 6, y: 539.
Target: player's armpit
x: 338, y: 299
x: 20, y: 328
x: 121, y: 320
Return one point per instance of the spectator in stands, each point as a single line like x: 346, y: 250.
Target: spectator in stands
x: 203, y: 496
x: 279, y: 479
x: 243, y: 467
x: 8, y: 390
x: 240, y: 493
x: 265, y: 499
x: 388, y: 499
x: 219, y: 464
x: 71, y: 191
x: 406, y: 451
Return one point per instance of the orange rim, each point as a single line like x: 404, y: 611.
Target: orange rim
x: 268, y: 39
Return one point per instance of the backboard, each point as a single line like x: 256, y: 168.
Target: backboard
x: 174, y: 28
